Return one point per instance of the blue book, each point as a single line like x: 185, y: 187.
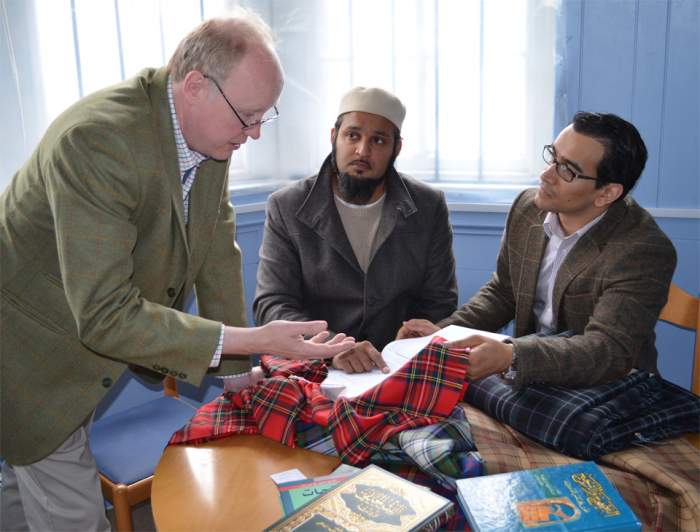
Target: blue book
x: 568, y: 497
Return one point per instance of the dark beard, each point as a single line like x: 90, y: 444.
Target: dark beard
x: 358, y: 190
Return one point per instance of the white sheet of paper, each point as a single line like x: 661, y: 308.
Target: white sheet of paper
x: 287, y: 476
x: 396, y: 354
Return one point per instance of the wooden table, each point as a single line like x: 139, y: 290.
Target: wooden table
x: 226, y: 484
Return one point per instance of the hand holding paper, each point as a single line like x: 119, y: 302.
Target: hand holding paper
x: 487, y: 356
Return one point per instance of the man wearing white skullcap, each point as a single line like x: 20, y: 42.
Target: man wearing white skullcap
x: 359, y: 244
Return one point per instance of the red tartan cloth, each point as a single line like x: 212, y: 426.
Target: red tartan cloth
x: 423, y: 391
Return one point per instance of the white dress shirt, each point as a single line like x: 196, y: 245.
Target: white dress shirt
x: 558, y: 248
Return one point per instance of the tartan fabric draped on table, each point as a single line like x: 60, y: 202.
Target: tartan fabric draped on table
x: 423, y: 392
x: 421, y: 423
x: 589, y: 422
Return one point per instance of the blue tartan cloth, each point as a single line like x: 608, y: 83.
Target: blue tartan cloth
x: 589, y: 422
x: 443, y: 451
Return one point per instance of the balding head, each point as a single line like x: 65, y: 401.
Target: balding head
x: 217, y: 45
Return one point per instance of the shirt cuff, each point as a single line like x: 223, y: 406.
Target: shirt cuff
x: 216, y: 359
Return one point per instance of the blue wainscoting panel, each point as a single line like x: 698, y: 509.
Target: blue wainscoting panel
x: 648, y: 91
x: 476, y: 239
x: 249, y: 237
x: 609, y: 31
x: 679, y: 174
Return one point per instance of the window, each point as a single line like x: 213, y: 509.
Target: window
x: 477, y: 76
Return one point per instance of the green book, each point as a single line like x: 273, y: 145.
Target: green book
x: 296, y: 493
x: 371, y: 500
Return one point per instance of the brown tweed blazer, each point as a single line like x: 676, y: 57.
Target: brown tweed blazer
x: 609, y: 292
x: 97, y: 260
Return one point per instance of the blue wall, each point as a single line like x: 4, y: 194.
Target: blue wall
x: 636, y: 58
x: 639, y: 59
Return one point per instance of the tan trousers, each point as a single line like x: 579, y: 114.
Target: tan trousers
x: 60, y: 492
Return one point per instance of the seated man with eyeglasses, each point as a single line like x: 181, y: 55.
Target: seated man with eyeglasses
x: 583, y: 270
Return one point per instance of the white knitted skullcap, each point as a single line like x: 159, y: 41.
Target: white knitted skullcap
x: 376, y: 101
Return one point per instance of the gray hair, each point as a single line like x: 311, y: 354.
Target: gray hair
x: 216, y: 45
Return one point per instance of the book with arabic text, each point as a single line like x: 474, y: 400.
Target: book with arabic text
x: 296, y: 493
x: 371, y: 500
x: 567, y: 497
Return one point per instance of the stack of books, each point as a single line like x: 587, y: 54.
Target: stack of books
x: 371, y: 500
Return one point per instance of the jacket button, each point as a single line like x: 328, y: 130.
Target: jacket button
x: 171, y: 292
x: 106, y: 382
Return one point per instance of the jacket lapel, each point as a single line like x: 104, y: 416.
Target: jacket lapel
x: 536, y: 241
x: 579, y: 258
x: 586, y: 250
x: 398, y: 200
x: 318, y: 212
x: 205, y: 197
x: 162, y: 126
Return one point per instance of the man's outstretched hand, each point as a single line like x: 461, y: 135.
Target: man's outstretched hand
x: 287, y: 339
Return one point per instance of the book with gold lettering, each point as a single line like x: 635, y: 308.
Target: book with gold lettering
x: 567, y: 497
x: 371, y: 500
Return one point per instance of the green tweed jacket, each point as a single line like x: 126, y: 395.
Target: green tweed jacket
x: 609, y: 292
x: 96, y: 261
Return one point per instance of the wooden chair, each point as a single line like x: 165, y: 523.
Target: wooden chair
x: 127, y: 447
x: 683, y: 310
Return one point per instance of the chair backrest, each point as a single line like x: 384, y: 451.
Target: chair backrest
x: 683, y: 309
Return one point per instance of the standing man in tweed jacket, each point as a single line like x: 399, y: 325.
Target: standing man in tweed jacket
x: 581, y: 264
x: 119, y: 213
x: 359, y: 244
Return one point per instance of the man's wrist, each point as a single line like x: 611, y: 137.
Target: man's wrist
x: 239, y: 340
x: 511, y: 372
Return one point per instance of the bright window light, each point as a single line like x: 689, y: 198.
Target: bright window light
x: 476, y: 76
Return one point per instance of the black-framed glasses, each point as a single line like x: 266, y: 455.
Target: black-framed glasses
x: 563, y: 170
x: 272, y: 114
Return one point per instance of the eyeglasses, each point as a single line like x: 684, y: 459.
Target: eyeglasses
x: 563, y: 170
x: 271, y: 114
